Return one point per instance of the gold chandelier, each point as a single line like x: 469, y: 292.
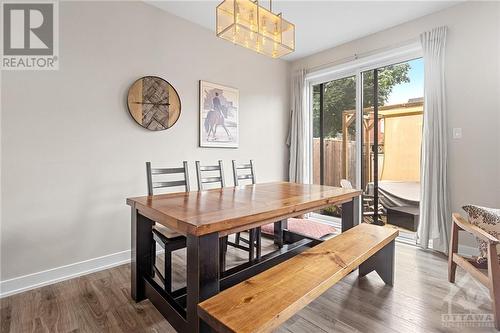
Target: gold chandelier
x: 246, y: 23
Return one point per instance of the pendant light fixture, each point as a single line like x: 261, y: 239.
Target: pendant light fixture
x: 246, y: 23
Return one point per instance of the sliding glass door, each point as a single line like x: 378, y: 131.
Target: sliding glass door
x: 334, y: 134
x: 366, y: 133
x: 392, y: 135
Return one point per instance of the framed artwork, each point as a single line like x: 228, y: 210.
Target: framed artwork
x: 219, y: 108
x: 153, y: 103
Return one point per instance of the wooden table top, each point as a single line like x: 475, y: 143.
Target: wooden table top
x: 233, y: 209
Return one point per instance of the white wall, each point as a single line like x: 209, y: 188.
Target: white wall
x: 71, y: 153
x: 472, y: 88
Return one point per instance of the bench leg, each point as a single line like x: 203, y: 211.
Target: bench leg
x: 168, y: 270
x: 258, y: 242
x: 251, y: 244
x: 222, y: 253
x: 278, y: 232
x: 382, y: 262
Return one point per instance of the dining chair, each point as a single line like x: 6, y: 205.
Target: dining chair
x: 218, y: 179
x: 246, y: 172
x: 169, y: 239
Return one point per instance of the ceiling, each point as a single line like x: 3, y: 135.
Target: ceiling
x: 320, y: 24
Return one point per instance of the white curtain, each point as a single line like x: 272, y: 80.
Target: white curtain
x: 297, y: 134
x: 434, y: 204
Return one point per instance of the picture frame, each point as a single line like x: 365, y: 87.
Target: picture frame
x: 219, y: 115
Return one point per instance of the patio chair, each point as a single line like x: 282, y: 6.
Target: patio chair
x: 368, y: 200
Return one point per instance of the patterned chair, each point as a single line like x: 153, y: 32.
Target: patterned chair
x: 484, y: 223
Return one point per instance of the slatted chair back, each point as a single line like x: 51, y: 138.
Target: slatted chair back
x: 247, y: 175
x: 153, y: 185
x: 203, y: 169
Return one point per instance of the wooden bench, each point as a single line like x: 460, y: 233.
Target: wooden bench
x: 263, y: 302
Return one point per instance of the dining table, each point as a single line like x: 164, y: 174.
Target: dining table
x: 204, y: 217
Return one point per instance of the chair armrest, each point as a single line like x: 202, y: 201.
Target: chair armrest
x: 475, y: 230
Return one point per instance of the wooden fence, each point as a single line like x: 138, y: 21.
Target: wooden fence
x: 333, y: 161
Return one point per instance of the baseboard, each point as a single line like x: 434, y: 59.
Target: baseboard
x: 50, y: 276
x: 58, y: 274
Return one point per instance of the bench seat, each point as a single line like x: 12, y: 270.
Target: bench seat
x: 263, y: 302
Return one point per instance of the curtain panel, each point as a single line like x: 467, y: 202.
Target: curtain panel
x: 434, y: 205
x: 298, y: 131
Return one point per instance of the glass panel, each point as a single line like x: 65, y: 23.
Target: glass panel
x: 316, y: 105
x: 334, y: 134
x: 400, y: 114
x: 288, y: 34
x: 246, y: 14
x: 339, y: 131
x: 269, y: 24
x: 225, y: 15
x: 243, y: 36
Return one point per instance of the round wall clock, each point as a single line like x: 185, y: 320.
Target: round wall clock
x: 154, y: 103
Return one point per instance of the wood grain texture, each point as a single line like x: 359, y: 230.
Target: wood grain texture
x: 492, y: 277
x: 234, y: 209
x: 473, y: 229
x: 153, y: 103
x: 100, y: 302
x: 263, y: 302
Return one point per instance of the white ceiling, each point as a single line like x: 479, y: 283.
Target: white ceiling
x: 320, y: 24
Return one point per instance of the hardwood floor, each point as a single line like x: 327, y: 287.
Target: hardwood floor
x: 100, y: 302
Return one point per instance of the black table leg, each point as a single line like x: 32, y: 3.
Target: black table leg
x: 278, y: 232
x: 382, y: 262
x: 347, y: 215
x: 202, y: 276
x: 142, y: 240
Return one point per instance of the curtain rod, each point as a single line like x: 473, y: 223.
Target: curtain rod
x: 356, y: 56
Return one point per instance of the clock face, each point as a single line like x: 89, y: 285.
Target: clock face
x: 153, y: 103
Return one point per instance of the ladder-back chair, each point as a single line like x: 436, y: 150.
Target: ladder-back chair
x: 246, y: 172
x: 168, y: 239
